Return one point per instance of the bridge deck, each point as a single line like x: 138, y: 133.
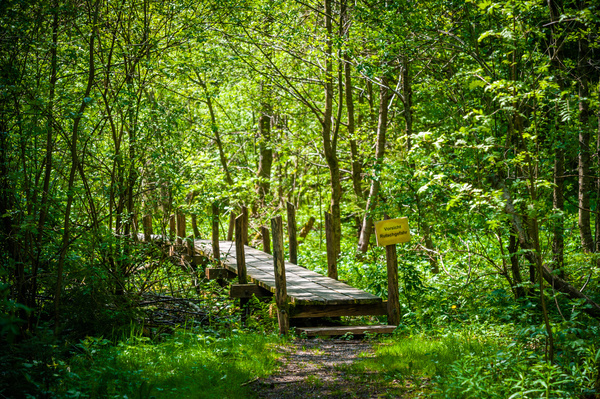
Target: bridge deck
x: 304, y: 287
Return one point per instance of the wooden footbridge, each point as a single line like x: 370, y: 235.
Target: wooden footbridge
x: 300, y: 293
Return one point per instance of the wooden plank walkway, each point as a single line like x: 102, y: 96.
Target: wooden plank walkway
x: 304, y: 287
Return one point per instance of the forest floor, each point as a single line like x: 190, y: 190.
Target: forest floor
x: 318, y: 368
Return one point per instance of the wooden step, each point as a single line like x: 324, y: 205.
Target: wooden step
x: 342, y: 330
x: 301, y: 311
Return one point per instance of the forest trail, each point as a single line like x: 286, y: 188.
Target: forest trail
x: 318, y: 368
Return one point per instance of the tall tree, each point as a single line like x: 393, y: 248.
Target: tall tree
x: 93, y: 10
x: 367, y: 224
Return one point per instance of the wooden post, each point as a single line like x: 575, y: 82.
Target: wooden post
x: 245, y: 225
x: 147, y: 223
x: 172, y: 228
x: 331, y: 255
x: 240, y: 255
x: 231, y: 226
x: 239, y: 251
x: 191, y: 246
x: 280, y: 282
x: 215, y: 232
x: 393, y: 303
x: 194, y: 218
x: 293, y: 241
x: 180, y: 228
x: 172, y: 234
x: 194, y: 260
x: 266, y: 239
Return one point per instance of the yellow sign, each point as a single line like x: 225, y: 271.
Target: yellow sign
x: 392, y: 231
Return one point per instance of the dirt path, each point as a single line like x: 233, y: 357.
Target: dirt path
x: 322, y: 369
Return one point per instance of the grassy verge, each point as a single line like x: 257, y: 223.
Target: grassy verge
x: 465, y: 365
x: 185, y: 365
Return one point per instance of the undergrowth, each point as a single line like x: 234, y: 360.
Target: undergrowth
x: 184, y: 365
x: 489, y: 361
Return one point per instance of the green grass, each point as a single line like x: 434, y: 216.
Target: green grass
x: 423, y: 356
x: 464, y: 364
x: 410, y: 364
x: 185, y: 365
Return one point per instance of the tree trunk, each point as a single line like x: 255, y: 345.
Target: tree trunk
x: 265, y: 160
x: 583, y: 168
x: 367, y: 225
x: 513, y: 246
x: 74, y: 160
x: 557, y: 283
x: 598, y: 195
x: 407, y: 101
x: 355, y: 160
x: 558, y: 200
x: 215, y: 129
x: 584, y: 158
x: 558, y: 203
x: 44, y: 207
x: 330, y: 138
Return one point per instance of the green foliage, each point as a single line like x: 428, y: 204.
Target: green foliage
x: 480, y: 361
x: 422, y: 355
x: 262, y: 318
x: 177, y: 366
x: 10, y: 322
x: 29, y: 366
x: 516, y: 373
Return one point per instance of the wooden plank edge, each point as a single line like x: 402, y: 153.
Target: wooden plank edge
x: 375, y: 309
x: 247, y: 291
x: 343, y: 330
x: 213, y: 273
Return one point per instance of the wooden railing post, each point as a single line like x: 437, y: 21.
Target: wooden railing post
x: 280, y: 283
x: 266, y: 239
x: 239, y: 251
x: 293, y: 241
x: 231, y: 226
x: 240, y: 255
x: 331, y: 255
x: 172, y: 234
x: 180, y: 228
x: 215, y: 231
x: 191, y: 247
x: 172, y: 228
x: 147, y: 224
x: 245, y: 224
